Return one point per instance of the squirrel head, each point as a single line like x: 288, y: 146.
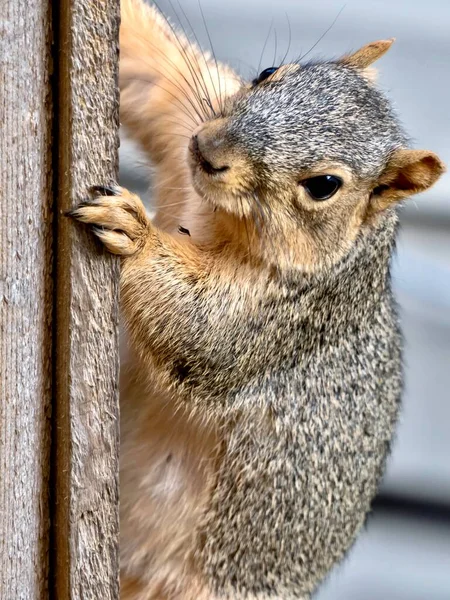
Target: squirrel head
x: 309, y: 156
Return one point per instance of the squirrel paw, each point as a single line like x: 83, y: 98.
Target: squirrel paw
x: 117, y: 218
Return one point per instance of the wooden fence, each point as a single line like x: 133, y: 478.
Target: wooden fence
x: 58, y: 302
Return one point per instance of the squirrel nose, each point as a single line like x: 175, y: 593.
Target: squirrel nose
x: 207, y: 152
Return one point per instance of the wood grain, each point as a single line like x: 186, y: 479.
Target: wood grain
x: 25, y: 297
x: 87, y: 360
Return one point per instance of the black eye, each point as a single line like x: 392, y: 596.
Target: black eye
x: 322, y: 187
x: 264, y: 75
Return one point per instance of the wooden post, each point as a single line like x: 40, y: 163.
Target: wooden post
x: 59, y: 394
x: 25, y: 297
x: 87, y: 309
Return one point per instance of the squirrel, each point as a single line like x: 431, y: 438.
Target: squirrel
x: 263, y: 389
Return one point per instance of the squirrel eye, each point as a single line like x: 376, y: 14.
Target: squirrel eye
x: 322, y: 187
x: 264, y: 75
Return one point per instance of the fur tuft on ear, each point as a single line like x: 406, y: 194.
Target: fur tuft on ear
x: 408, y: 172
x: 368, y: 54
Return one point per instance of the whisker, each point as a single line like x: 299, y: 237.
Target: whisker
x: 180, y: 124
x: 184, y: 54
x: 170, y: 63
x: 171, y: 178
x: 168, y: 135
x: 214, y: 56
x: 181, y: 106
x: 199, y: 45
x: 161, y: 184
x: 195, y: 91
x: 198, y: 77
x: 323, y: 34
x: 264, y: 48
x: 232, y: 60
x: 289, y: 41
x: 274, y: 62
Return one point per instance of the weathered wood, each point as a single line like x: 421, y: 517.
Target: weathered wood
x: 87, y: 311
x: 25, y: 297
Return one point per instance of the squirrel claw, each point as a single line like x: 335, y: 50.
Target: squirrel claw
x: 106, y: 190
x: 117, y: 218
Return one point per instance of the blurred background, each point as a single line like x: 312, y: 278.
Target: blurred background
x: 404, y: 552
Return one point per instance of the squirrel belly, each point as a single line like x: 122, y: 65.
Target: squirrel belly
x: 263, y: 374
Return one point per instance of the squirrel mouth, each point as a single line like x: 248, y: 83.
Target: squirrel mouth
x: 201, y: 161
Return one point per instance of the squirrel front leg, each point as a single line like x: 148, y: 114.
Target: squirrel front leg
x: 183, y: 311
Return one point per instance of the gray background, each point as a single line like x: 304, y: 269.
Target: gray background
x: 404, y: 553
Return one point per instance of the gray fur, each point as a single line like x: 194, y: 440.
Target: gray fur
x: 321, y: 111
x: 319, y: 405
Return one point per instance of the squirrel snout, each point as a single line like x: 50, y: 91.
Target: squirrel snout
x: 218, y: 164
x: 208, y: 148
x: 204, y: 157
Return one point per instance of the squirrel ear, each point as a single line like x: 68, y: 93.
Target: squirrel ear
x: 408, y: 172
x: 368, y: 54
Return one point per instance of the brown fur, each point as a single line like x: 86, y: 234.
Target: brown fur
x: 167, y: 462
